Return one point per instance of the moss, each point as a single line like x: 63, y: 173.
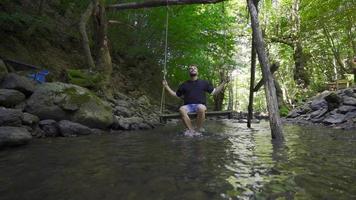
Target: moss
x: 76, y: 98
x: 84, y: 78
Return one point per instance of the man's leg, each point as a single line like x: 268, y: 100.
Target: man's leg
x: 200, y: 116
x: 186, y: 120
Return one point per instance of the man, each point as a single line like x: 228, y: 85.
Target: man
x: 193, y: 93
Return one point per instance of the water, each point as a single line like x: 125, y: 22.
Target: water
x: 228, y: 162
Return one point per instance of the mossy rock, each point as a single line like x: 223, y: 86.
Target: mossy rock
x: 61, y: 101
x: 84, y: 78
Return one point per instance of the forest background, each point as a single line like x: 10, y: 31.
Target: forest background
x: 312, y: 40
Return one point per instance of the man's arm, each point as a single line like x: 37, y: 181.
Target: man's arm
x: 218, y: 89
x: 170, y: 91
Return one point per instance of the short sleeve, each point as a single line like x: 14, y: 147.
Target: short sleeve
x: 180, y: 91
x: 209, y: 87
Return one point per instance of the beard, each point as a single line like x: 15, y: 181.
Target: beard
x: 192, y: 74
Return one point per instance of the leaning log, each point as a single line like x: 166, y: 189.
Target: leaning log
x: 270, y: 90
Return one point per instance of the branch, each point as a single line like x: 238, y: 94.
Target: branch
x: 159, y: 3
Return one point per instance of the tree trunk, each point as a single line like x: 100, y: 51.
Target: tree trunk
x: 270, y: 90
x: 101, y: 49
x: 85, y: 40
x: 231, y: 98
x: 219, y: 98
x: 300, y: 74
x: 335, y: 51
x: 252, y: 82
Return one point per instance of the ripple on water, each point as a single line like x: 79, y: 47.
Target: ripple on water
x: 230, y: 161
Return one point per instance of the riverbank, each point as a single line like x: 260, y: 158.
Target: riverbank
x: 29, y: 109
x: 336, y: 109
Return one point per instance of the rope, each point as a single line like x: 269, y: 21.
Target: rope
x: 165, y: 60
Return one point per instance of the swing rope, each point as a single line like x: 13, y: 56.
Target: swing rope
x: 163, y: 99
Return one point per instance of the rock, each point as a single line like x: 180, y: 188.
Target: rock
x: 10, y: 117
x: 350, y: 115
x: 29, y: 119
x: 333, y: 101
x: 318, y: 104
x: 68, y: 128
x: 60, y: 101
x: 143, y: 100
x: 318, y: 113
x: 131, y: 123
x: 3, y: 70
x: 20, y: 83
x: 12, y: 136
x: 349, y: 101
x: 349, y: 92
x: 10, y: 98
x: 49, y: 127
x: 123, y: 103
x: 293, y: 114
x: 122, y: 111
x: 335, y: 119
x: 21, y: 106
x: 344, y: 109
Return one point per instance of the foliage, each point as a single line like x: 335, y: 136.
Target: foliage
x: 283, y: 111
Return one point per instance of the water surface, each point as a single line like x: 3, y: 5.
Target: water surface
x: 228, y: 162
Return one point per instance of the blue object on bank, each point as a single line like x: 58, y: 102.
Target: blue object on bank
x: 40, y: 76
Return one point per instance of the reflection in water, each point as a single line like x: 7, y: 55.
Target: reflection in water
x: 228, y: 162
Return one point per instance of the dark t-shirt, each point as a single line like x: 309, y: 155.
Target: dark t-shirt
x: 193, y: 92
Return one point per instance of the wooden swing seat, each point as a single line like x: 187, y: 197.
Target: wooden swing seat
x: 163, y: 117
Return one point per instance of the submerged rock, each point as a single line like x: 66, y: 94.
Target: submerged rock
x: 13, y: 136
x: 68, y: 128
x: 49, y: 127
x: 60, y: 101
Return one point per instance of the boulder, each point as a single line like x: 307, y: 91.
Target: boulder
x: 12, y: 136
x: 10, y: 117
x: 131, y: 123
x: 17, y: 82
x: 349, y: 101
x: 318, y: 113
x: 335, y: 119
x: 344, y: 109
x: 10, y: 98
x: 61, y: 101
x: 318, y: 104
x: 29, y: 119
x: 68, y: 128
x: 49, y: 127
x: 333, y: 100
x: 123, y: 111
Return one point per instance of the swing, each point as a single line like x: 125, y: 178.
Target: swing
x: 163, y: 117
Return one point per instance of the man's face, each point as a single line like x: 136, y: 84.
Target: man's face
x: 193, y: 70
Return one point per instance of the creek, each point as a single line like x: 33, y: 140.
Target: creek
x: 229, y: 162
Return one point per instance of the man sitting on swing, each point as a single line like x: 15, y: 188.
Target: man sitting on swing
x: 193, y: 93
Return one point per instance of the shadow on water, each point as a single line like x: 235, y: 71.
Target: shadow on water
x: 228, y: 162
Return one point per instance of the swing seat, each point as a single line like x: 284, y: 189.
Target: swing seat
x: 163, y: 117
